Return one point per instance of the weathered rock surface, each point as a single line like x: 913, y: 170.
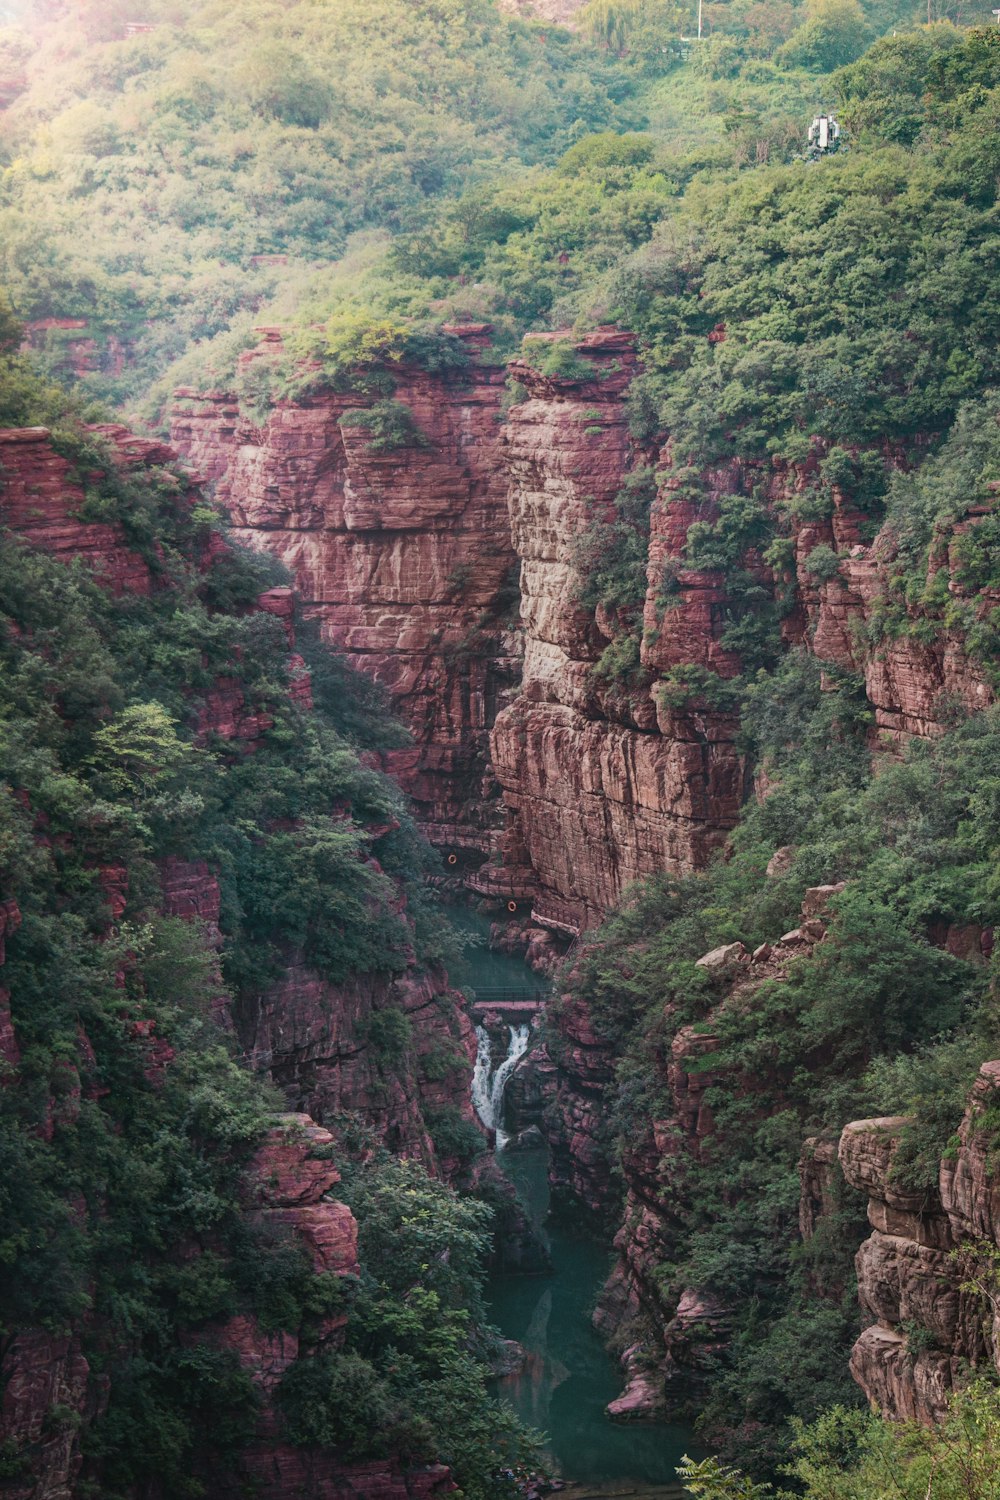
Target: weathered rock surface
x: 577, y: 1128
x: 602, y: 786
x: 817, y: 1168
x: 925, y: 1274
x: 403, y: 556
x: 912, y: 683
x: 279, y: 1473
x: 44, y: 1375
x: 41, y: 498
x: 71, y: 348
x: 311, y: 1037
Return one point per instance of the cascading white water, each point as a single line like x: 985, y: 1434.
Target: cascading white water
x: 481, y: 1076
x: 518, y: 1047
x: 487, y: 1092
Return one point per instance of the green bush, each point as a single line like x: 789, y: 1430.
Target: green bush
x: 834, y: 33
x: 558, y: 358
x: 391, y: 425
x: 850, y: 1455
x: 455, y: 1138
x: 822, y: 563
x: 388, y: 1033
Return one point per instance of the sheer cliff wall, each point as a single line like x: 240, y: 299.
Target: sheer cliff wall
x: 403, y: 556
x: 546, y: 777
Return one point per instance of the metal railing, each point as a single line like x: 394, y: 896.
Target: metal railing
x: 498, y: 995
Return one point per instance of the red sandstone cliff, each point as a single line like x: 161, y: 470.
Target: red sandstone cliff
x: 403, y: 556
x: 917, y: 670
x: 42, y: 498
x: 289, y: 1187
x: 927, y: 1274
x: 602, y: 785
x: 69, y: 347
x: 914, y: 673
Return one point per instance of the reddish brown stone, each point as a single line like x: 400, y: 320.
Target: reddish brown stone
x: 113, y: 880
x: 40, y: 501
x: 312, y: 1036
x: 10, y: 1052
x: 603, y: 787
x: 45, y: 1398
x: 401, y: 556
x: 10, y: 921
x: 293, y: 1167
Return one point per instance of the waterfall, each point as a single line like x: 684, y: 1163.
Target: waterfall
x: 518, y: 1047
x: 487, y: 1092
x: 481, y: 1077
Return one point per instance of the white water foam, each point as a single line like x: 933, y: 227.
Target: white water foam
x: 488, y: 1087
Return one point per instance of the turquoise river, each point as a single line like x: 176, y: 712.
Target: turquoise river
x: 567, y: 1378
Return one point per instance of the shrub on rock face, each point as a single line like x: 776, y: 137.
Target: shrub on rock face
x: 821, y: 564
x: 558, y: 358
x: 389, y: 425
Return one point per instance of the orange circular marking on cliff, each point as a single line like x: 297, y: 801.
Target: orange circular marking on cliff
x: 453, y: 859
x: 512, y: 906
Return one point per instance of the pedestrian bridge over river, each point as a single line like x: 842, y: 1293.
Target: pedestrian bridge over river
x: 510, y: 1004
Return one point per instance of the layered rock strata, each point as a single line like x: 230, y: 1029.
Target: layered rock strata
x: 603, y: 784
x: 576, y: 1121
x: 926, y: 1274
x: 70, y: 347
x: 606, y: 782
x: 403, y: 556
x: 42, y: 498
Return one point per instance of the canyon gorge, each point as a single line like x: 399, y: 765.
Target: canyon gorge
x: 550, y: 786
x: 558, y: 786
x: 499, y: 750
x: 556, y: 783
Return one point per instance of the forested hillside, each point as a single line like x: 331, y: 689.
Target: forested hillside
x: 174, y: 180
x: 161, y: 186
x: 182, y: 827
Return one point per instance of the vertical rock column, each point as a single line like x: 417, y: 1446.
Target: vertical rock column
x: 602, y: 788
x: 403, y: 555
